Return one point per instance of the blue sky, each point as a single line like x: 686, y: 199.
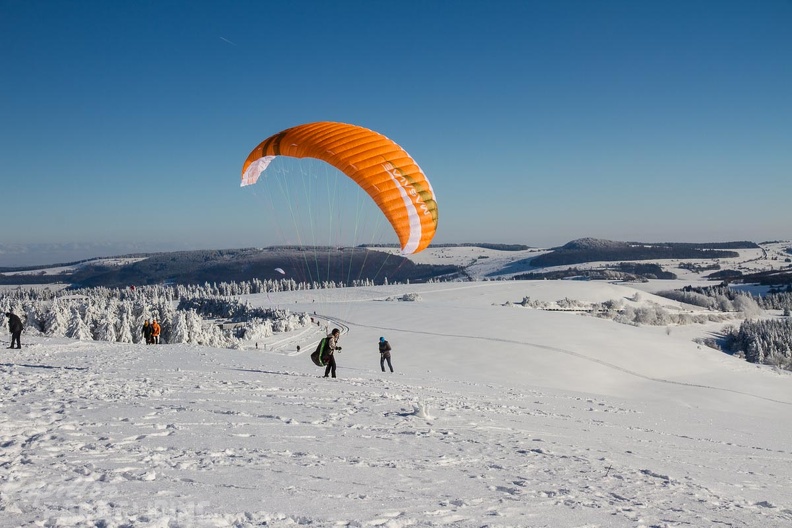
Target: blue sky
x: 125, y: 124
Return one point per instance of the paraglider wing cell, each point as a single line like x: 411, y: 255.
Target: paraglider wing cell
x: 251, y: 175
x: 381, y: 167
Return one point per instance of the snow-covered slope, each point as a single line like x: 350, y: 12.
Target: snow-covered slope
x: 478, y: 262
x: 108, y: 262
x: 497, y: 415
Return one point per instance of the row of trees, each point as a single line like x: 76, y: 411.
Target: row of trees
x: 767, y: 341
x: 185, y: 313
x: 576, y: 253
x: 647, y: 314
x: 726, y: 299
x: 174, y: 292
x: 721, y: 299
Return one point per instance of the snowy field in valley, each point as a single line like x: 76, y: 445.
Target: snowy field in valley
x: 58, y: 270
x: 497, y: 415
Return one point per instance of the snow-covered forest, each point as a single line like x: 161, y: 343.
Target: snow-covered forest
x: 195, y: 314
x: 187, y: 314
x: 767, y: 341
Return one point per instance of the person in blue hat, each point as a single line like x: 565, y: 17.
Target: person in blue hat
x: 385, y: 354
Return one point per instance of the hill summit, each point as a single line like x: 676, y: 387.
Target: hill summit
x: 589, y: 243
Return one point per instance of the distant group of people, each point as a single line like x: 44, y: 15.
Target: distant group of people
x: 151, y: 332
x: 15, y: 326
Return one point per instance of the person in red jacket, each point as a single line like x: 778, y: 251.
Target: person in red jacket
x: 155, y: 332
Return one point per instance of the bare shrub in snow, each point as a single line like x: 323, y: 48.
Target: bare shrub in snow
x: 256, y: 329
x: 747, y: 306
x: 410, y: 297
x: 708, y: 342
x: 567, y: 304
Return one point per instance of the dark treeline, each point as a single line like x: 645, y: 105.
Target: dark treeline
x: 305, y: 265
x: 742, y: 244
x: 483, y: 245
x: 713, y: 297
x: 768, y: 342
x: 698, y: 268
x: 625, y: 271
x: 648, y: 271
x: 564, y: 257
x: 766, y: 278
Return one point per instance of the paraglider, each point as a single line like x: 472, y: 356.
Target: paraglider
x: 377, y: 164
x: 280, y: 271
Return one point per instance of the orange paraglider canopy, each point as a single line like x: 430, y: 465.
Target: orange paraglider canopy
x: 381, y: 167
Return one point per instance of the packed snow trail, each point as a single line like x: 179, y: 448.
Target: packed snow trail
x: 574, y: 354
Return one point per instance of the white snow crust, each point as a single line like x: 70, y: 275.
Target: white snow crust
x: 497, y: 415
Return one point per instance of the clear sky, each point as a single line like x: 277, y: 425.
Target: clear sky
x: 125, y: 124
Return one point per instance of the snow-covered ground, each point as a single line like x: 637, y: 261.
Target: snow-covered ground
x: 109, y: 262
x: 497, y: 415
x: 479, y: 262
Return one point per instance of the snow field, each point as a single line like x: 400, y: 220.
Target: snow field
x: 496, y: 416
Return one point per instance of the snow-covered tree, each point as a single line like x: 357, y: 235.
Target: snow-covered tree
x: 179, y: 331
x: 56, y: 320
x: 106, y: 330
x: 747, y: 305
x: 77, y: 328
x: 34, y: 319
x: 124, y: 329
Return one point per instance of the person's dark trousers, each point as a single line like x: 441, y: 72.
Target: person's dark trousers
x: 383, y: 359
x: 15, y: 339
x: 331, y: 367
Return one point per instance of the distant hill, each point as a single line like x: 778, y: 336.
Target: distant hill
x: 616, y: 261
x: 597, y: 250
x: 315, y: 264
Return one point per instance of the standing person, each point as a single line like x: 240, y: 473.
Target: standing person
x: 147, y: 332
x: 385, y: 354
x: 330, y: 348
x: 15, y: 327
x: 155, y: 332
